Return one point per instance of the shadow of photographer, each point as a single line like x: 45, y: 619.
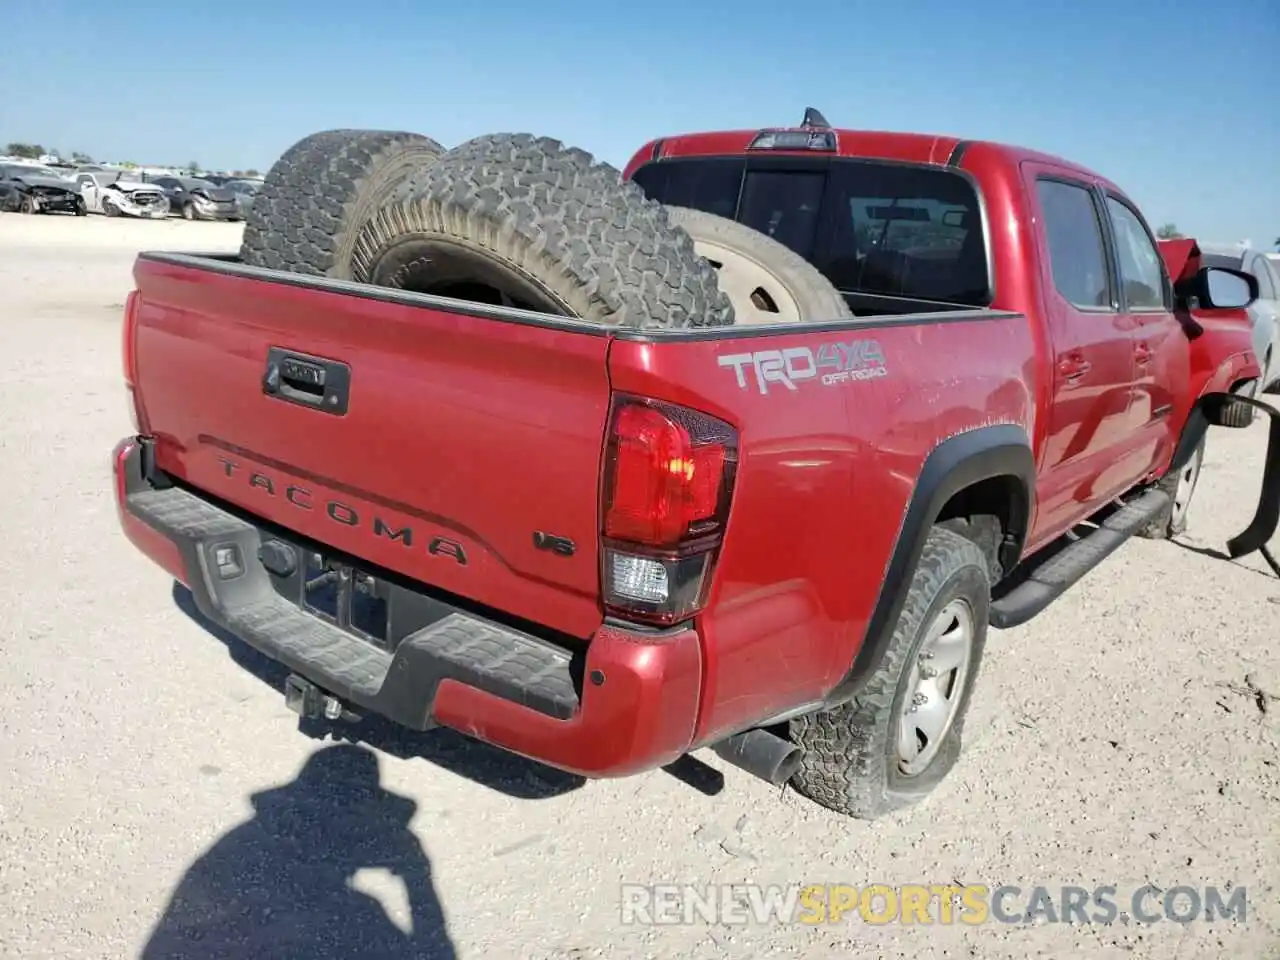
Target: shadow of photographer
x: 282, y: 884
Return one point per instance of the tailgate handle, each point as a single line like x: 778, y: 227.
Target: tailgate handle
x: 308, y: 381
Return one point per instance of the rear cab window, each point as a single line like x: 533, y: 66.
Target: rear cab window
x: 873, y: 228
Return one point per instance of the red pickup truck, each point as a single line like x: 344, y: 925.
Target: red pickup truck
x: 604, y: 548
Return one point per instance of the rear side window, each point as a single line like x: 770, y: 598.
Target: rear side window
x: 1077, y: 255
x: 875, y: 228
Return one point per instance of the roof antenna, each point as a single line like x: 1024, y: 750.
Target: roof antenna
x: 814, y: 120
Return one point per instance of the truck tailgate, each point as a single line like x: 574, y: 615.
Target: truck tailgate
x: 463, y: 437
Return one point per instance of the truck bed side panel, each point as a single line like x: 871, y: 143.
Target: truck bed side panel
x: 469, y: 433
x: 826, y: 472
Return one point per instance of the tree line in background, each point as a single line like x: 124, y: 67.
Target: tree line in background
x: 34, y: 151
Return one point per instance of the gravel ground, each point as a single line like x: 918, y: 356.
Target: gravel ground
x: 1125, y: 737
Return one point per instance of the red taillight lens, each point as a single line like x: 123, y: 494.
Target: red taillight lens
x: 663, y: 485
x: 669, y: 477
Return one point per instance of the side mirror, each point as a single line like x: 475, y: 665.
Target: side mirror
x: 1223, y: 289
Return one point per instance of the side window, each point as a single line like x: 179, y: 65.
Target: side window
x: 1141, y: 267
x: 1076, y: 251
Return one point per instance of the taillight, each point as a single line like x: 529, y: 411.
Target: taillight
x: 668, y: 480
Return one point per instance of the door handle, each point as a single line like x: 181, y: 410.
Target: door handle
x: 1142, y: 353
x: 1073, y: 367
x: 306, y: 380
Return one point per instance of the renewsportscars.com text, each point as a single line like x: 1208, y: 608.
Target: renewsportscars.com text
x: 924, y: 904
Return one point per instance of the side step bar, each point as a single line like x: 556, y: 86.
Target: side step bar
x: 1051, y: 579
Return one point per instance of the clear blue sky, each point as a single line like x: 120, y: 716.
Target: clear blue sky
x: 1177, y: 102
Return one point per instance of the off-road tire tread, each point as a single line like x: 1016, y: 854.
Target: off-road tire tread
x: 1236, y: 416
x: 321, y: 192
x: 552, y: 214
x: 845, y: 762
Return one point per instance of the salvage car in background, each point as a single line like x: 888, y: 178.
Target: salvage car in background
x: 31, y: 188
x: 198, y: 199
x: 108, y: 192
x: 1264, y: 313
x: 244, y: 192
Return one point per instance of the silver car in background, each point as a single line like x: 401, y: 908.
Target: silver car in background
x: 244, y: 191
x: 111, y: 193
x: 1264, y: 313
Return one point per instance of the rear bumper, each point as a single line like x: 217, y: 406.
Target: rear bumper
x: 628, y: 703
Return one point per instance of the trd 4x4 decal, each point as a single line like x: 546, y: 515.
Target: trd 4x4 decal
x: 831, y: 363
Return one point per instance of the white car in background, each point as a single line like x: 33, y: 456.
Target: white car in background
x: 108, y: 192
x: 1264, y: 313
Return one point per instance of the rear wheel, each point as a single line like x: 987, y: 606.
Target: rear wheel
x: 81, y: 209
x: 526, y: 222
x: 894, y: 743
x: 766, y: 281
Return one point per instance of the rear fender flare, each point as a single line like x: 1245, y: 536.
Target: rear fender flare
x: 1001, y: 450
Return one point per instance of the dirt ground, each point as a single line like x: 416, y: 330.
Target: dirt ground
x: 155, y: 782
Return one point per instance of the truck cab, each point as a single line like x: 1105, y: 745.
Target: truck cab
x: 905, y: 222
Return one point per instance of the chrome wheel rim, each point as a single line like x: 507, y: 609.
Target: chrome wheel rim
x: 935, y: 686
x: 756, y: 294
x: 1187, y: 479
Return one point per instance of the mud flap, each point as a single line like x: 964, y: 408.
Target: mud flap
x: 1266, y: 518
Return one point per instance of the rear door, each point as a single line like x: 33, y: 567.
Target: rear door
x: 1161, y: 349
x: 1083, y: 457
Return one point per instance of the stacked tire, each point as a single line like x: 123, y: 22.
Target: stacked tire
x: 522, y: 222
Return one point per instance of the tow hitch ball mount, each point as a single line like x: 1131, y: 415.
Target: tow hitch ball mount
x: 312, y: 703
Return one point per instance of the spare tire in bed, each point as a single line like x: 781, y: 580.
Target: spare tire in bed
x: 525, y: 221
x: 766, y: 281
x: 322, y: 191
